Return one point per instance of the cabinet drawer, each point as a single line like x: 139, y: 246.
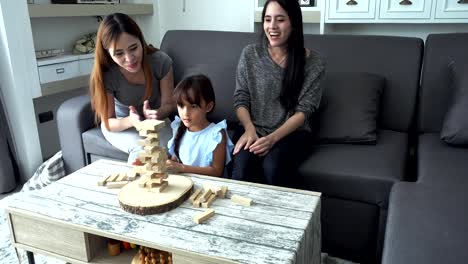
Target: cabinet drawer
x: 409, y: 9
x: 50, y: 237
x: 457, y: 9
x: 58, y: 71
x: 86, y: 66
x: 351, y: 9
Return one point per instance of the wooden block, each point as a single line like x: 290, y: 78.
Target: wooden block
x: 241, y: 200
x: 144, y: 133
x: 224, y: 190
x: 195, y: 195
x: 196, y: 203
x: 102, y: 182
x: 142, y: 183
x: 150, y: 149
x: 214, y: 189
x: 113, y: 247
x: 210, y: 201
x: 204, y: 197
x: 200, y: 218
x: 150, y: 124
x: 115, y: 185
x: 159, y: 168
x: 160, y: 188
x: 122, y: 177
x: 113, y: 177
x: 154, y: 182
x: 152, y: 135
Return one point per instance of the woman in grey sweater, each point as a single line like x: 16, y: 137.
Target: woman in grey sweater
x: 277, y: 91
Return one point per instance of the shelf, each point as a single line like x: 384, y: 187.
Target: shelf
x: 74, y: 10
x: 64, y: 58
x: 309, y: 15
x: 65, y: 85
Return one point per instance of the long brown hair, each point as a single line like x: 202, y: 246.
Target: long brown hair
x: 109, y: 31
x: 192, y: 89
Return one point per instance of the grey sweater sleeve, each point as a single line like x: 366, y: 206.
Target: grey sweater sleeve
x: 311, y: 93
x: 242, y: 93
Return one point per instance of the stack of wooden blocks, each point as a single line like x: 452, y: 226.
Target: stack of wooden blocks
x: 153, y: 172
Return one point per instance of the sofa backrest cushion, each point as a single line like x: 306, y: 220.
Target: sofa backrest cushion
x: 455, y: 127
x: 350, y: 107
x: 436, y: 92
x: 397, y: 59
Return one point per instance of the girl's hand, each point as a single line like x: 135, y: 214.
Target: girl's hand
x: 262, y: 146
x: 133, y: 115
x: 174, y: 166
x: 246, y: 140
x: 148, y: 112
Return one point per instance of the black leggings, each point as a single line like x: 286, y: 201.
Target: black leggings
x: 279, y: 166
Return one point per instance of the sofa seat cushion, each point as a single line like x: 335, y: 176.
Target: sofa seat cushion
x: 95, y: 143
x: 426, y: 224
x: 362, y: 173
x: 440, y: 163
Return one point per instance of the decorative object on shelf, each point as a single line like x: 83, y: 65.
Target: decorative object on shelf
x: 351, y: 2
x: 462, y: 1
x: 86, y: 44
x: 85, y: 1
x: 306, y: 2
x: 406, y: 2
x: 49, y: 53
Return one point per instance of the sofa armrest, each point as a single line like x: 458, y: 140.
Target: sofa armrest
x: 74, y: 117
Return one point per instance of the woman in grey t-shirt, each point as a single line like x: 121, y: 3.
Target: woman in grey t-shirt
x: 131, y: 81
x: 277, y: 91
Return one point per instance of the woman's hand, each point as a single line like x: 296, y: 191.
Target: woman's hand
x: 174, y: 165
x: 262, y: 146
x: 246, y: 140
x: 148, y: 112
x: 133, y: 115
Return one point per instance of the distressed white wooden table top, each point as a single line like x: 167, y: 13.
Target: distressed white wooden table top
x: 282, y: 225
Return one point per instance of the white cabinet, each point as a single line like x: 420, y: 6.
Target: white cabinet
x: 351, y: 9
x: 407, y: 9
x: 452, y: 9
x: 64, y: 67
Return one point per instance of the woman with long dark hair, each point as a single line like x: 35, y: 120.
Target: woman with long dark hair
x: 131, y: 81
x: 277, y: 91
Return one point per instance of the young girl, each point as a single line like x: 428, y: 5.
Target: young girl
x: 131, y: 81
x: 197, y: 146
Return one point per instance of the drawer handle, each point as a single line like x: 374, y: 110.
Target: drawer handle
x: 60, y: 70
x: 352, y: 2
x: 462, y: 1
x: 406, y: 2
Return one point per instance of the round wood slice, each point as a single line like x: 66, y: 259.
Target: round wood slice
x: 143, y: 201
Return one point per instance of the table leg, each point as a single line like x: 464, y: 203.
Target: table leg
x: 30, y: 257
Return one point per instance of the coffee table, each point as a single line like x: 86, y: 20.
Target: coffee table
x: 72, y: 219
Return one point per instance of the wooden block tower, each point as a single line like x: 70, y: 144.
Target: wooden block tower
x: 156, y: 191
x: 153, y: 156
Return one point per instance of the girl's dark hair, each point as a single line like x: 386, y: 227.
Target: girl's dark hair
x: 192, y: 89
x: 293, y: 76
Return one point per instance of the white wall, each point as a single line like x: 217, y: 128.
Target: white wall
x: 222, y: 15
x: 18, y: 74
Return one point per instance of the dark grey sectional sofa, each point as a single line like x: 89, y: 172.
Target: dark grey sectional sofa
x: 355, y: 179
x: 427, y: 221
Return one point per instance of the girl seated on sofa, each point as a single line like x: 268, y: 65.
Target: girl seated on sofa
x: 197, y: 145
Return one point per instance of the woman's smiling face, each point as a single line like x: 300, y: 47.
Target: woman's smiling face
x: 127, y: 52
